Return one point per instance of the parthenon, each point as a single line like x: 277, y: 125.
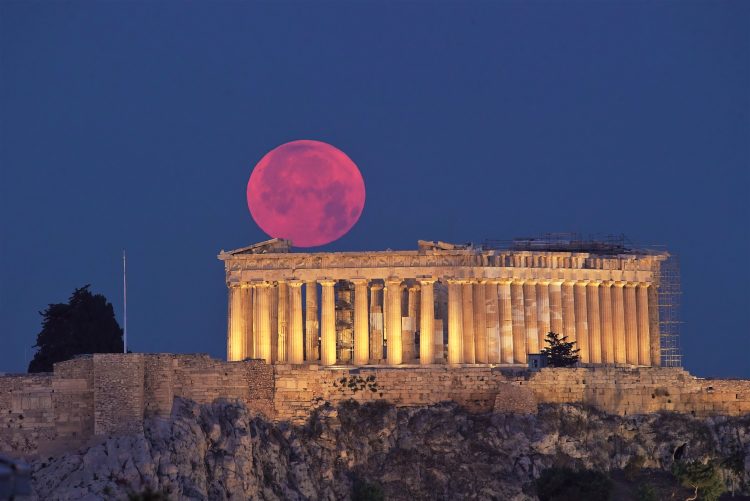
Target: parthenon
x: 441, y: 304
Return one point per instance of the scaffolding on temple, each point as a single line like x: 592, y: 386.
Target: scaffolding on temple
x: 564, y: 242
x: 668, y: 297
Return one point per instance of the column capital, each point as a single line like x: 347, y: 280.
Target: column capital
x: 327, y: 282
x: 556, y: 281
x: 261, y: 283
x: 631, y: 284
x: 360, y: 281
x: 582, y: 283
x: 618, y: 283
x: 426, y: 280
x: 234, y: 285
x: 376, y: 286
x: 543, y: 281
x: 531, y: 281
x: 393, y: 281
x: 569, y: 282
x: 644, y: 285
x: 595, y: 283
x: 295, y: 283
x: 414, y: 288
x: 504, y: 281
x: 518, y: 281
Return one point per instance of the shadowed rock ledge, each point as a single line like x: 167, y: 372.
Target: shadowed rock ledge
x: 224, y: 451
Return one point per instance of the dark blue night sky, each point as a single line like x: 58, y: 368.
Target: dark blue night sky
x: 134, y: 124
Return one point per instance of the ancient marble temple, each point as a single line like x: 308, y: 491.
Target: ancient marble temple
x: 441, y: 303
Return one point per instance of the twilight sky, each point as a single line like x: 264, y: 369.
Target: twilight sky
x: 135, y: 124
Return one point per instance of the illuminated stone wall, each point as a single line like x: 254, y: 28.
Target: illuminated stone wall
x: 99, y: 395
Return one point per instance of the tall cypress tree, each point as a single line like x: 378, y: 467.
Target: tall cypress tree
x: 560, y: 352
x: 85, y: 324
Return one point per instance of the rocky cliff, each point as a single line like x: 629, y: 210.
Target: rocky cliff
x: 224, y: 451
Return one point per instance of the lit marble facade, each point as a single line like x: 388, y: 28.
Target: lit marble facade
x: 442, y: 303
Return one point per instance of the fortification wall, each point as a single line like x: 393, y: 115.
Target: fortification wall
x: 640, y: 390
x: 106, y: 394
x: 109, y: 394
x: 302, y: 388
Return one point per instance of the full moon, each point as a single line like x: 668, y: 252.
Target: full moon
x: 306, y: 191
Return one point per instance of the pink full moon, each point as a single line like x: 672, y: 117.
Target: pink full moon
x: 306, y: 191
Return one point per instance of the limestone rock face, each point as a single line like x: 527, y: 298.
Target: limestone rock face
x: 223, y: 451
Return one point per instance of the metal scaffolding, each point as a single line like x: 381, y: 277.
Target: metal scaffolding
x: 668, y: 297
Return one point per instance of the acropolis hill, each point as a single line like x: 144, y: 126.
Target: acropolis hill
x: 459, y: 324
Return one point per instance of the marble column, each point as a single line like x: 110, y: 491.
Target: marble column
x: 264, y: 321
x: 618, y: 321
x: 427, y: 322
x: 455, y: 322
x: 653, y: 325
x: 519, y: 329
x: 594, y: 322
x: 361, y: 327
x: 631, y: 324
x: 393, y: 324
x: 529, y: 316
x: 249, y: 312
x: 297, y: 342
x: 312, y: 336
x: 568, y: 310
x: 467, y: 299
x: 542, y: 312
x: 273, y: 305
x: 492, y: 320
x: 644, y: 341
x: 256, y: 321
x: 413, y: 306
x: 236, y: 324
x: 480, y: 322
x: 505, y: 307
x: 607, y: 322
x: 582, y: 324
x: 408, y: 333
x: 282, y: 321
x: 555, y: 307
x: 327, y: 323
x: 376, y: 322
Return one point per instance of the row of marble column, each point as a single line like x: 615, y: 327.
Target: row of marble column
x: 274, y: 332
x: 489, y: 321
x: 502, y: 321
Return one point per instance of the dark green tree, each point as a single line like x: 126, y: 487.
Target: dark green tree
x: 703, y: 478
x: 559, y: 352
x: 85, y: 324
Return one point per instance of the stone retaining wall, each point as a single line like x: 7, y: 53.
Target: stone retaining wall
x: 302, y: 388
x: 105, y: 394
x: 640, y: 390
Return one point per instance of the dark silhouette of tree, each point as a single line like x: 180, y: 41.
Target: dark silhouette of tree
x: 85, y: 324
x: 559, y: 352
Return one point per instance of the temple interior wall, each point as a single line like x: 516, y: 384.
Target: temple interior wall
x: 101, y: 395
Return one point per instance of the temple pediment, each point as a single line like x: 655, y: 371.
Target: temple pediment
x: 272, y: 246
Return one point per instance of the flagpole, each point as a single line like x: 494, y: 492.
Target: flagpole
x: 124, y: 302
